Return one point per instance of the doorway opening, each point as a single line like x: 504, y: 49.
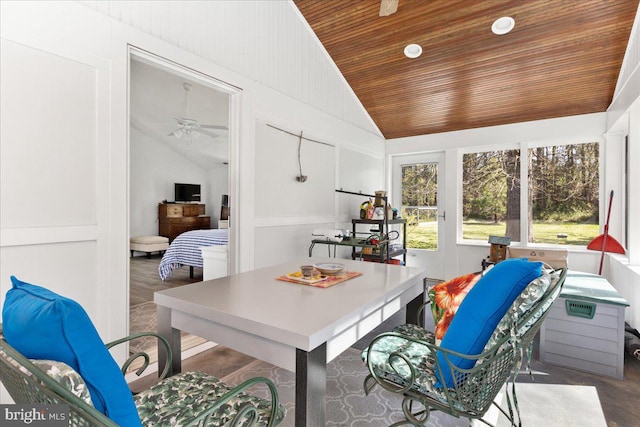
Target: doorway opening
x: 182, y: 136
x: 418, y: 192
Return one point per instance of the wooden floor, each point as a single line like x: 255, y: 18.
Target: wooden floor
x: 619, y: 399
x: 145, y: 279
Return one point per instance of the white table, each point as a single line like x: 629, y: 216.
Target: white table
x: 297, y: 327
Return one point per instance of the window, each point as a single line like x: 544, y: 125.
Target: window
x: 420, y: 204
x: 491, y: 195
x: 562, y: 199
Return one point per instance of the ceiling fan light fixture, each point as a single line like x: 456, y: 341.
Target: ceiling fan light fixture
x: 503, y: 25
x: 413, y: 51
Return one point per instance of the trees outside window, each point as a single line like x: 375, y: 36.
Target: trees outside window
x: 420, y: 204
x: 562, y: 198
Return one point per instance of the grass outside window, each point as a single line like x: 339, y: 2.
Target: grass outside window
x: 424, y: 236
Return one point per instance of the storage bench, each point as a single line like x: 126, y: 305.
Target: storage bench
x: 148, y: 244
x: 585, y: 327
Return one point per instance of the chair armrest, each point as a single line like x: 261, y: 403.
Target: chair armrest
x: 420, y: 312
x: 412, y: 368
x: 248, y: 414
x: 27, y: 383
x: 142, y: 354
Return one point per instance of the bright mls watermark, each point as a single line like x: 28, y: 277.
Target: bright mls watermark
x: 34, y: 415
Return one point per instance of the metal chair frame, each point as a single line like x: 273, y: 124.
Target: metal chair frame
x: 475, y: 389
x: 28, y: 384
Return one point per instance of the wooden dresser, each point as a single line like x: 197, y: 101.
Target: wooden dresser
x: 176, y: 218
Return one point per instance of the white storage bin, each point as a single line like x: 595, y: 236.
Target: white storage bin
x: 584, y: 329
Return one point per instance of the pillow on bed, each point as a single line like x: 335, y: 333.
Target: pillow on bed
x: 481, y: 310
x: 41, y: 324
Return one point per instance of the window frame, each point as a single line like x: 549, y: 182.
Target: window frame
x: 522, y: 146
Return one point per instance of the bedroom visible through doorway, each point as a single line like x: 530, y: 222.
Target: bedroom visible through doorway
x: 180, y: 141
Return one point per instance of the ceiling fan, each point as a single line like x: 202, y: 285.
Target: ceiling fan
x: 388, y: 7
x: 189, y: 128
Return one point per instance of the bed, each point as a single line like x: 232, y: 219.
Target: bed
x: 185, y: 249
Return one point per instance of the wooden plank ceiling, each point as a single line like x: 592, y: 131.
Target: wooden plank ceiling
x: 562, y: 58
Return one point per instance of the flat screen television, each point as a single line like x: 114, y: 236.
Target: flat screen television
x: 187, y: 193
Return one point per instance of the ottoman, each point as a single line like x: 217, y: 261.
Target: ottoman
x: 148, y: 244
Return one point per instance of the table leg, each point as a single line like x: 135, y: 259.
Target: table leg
x: 173, y: 336
x: 311, y: 387
x: 412, y: 309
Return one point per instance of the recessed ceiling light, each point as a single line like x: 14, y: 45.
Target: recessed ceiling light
x: 413, y: 50
x: 503, y: 25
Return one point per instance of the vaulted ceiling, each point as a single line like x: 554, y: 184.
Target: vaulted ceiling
x: 158, y: 97
x: 562, y: 58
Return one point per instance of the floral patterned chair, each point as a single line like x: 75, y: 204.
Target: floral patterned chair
x: 50, y: 353
x: 434, y: 376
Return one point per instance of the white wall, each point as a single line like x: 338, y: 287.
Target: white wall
x: 623, y: 116
x: 154, y: 171
x: 83, y: 253
x: 217, y: 184
x: 287, y: 211
x: 268, y: 41
x: 63, y: 133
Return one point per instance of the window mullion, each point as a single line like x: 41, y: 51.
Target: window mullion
x: 524, y: 193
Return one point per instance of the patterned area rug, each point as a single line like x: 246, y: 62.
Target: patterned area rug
x: 546, y: 405
x: 143, y: 317
x: 346, y: 403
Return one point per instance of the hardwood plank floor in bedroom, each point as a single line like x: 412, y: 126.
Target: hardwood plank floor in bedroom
x: 144, y: 278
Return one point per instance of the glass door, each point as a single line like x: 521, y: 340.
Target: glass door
x: 418, y: 194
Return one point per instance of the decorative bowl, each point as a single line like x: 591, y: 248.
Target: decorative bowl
x: 329, y: 267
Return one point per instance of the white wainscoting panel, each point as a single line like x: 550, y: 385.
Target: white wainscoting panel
x: 66, y: 268
x: 358, y: 172
x: 276, y: 173
x: 276, y: 245
x: 48, y: 131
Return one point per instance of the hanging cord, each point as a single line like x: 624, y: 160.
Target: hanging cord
x: 300, y: 136
x: 301, y: 177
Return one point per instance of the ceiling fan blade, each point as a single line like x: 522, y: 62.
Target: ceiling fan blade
x: 185, y: 121
x: 176, y: 132
x: 208, y: 133
x: 388, y: 7
x: 219, y: 127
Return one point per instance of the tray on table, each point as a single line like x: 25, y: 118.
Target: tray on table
x: 319, y: 281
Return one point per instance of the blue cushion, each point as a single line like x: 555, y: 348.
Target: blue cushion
x: 481, y: 310
x: 41, y: 324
